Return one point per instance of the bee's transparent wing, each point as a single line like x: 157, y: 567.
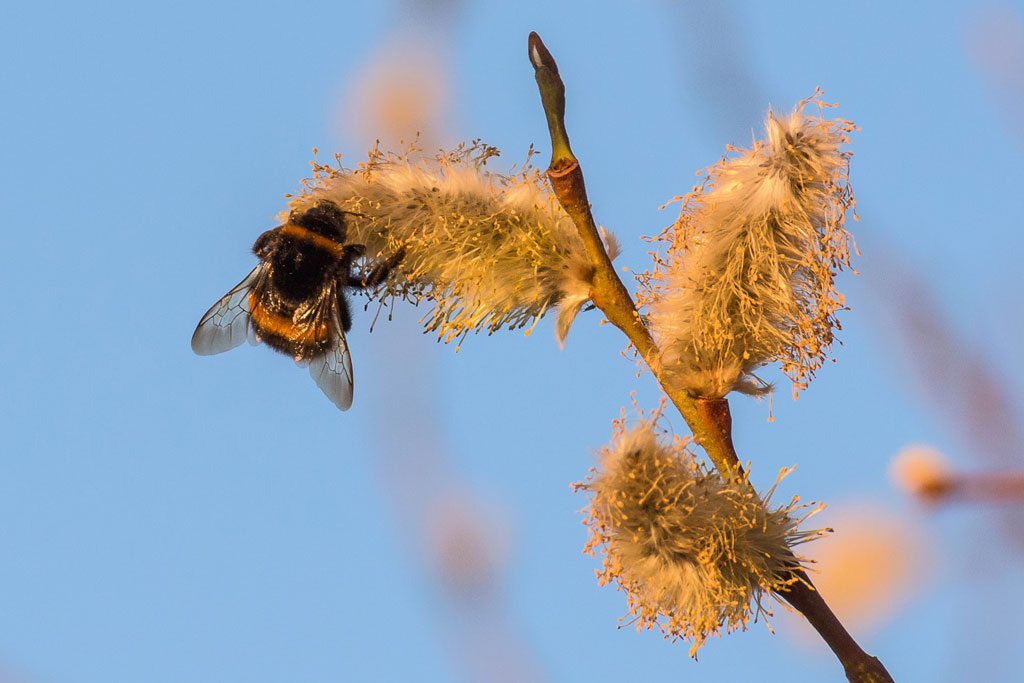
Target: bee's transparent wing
x: 332, y: 370
x: 226, y: 324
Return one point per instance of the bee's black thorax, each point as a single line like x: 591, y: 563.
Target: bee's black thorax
x: 300, y: 270
x: 307, y: 253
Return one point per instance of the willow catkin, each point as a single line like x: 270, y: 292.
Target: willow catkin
x: 487, y: 251
x: 695, y: 553
x: 748, y: 274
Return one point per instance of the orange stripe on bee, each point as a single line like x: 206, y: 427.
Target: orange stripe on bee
x: 282, y: 326
x: 325, y: 243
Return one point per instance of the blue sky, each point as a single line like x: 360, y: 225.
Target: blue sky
x: 166, y: 517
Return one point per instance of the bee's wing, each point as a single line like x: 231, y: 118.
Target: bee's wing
x: 332, y: 370
x: 226, y: 324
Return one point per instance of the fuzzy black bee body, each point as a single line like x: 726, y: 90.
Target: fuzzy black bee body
x: 294, y: 299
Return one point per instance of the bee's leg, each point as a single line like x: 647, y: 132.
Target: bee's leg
x: 265, y: 243
x: 341, y: 280
x: 379, y: 273
x: 343, y: 310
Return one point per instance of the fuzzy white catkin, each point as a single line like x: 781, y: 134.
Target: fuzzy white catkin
x: 695, y: 553
x: 748, y: 274
x: 488, y: 251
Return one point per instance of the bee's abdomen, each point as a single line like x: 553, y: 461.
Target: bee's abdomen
x: 276, y: 328
x: 331, y: 244
x: 323, y: 219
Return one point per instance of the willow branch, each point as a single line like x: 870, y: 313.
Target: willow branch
x: 708, y: 419
x: 607, y: 291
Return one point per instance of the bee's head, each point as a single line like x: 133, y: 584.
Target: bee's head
x: 324, y: 218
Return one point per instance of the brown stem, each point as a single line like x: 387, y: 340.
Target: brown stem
x: 708, y: 418
x: 714, y: 412
x: 859, y: 665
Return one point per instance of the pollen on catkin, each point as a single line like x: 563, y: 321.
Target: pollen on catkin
x: 695, y: 553
x: 487, y: 251
x: 747, y: 274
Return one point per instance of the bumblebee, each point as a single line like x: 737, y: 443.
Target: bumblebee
x: 294, y: 299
